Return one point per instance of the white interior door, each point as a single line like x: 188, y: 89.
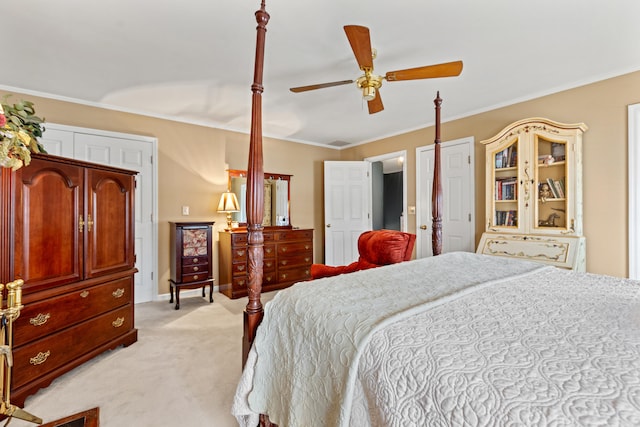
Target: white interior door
x: 347, y: 207
x: 127, y: 152
x: 458, y: 223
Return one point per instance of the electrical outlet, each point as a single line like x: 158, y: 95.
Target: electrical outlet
x: 185, y: 210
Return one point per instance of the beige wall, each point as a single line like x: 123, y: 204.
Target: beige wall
x: 603, y: 107
x: 192, y: 161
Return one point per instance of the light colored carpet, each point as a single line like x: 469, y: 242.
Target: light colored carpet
x: 183, y: 370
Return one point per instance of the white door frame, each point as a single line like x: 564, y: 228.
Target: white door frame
x: 634, y: 191
x: 389, y: 156
x: 154, y: 220
x: 419, y: 171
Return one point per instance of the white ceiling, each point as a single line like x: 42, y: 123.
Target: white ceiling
x: 192, y: 60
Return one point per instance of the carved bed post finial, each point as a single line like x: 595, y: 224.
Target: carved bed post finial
x: 436, y: 192
x: 255, y: 194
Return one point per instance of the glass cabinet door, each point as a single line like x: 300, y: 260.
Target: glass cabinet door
x: 505, y: 188
x: 551, y: 181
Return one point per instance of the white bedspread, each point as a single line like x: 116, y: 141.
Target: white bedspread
x: 544, y: 347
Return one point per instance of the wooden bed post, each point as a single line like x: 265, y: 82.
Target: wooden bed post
x: 436, y: 192
x: 255, y: 194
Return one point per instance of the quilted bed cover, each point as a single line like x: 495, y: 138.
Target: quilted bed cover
x: 458, y: 339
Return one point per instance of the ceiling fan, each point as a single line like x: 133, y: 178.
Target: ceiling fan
x: 370, y: 83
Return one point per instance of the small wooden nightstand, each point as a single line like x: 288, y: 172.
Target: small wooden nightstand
x: 191, y: 265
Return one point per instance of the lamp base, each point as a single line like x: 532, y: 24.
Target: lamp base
x: 228, y: 222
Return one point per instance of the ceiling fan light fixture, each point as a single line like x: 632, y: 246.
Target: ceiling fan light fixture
x: 369, y: 93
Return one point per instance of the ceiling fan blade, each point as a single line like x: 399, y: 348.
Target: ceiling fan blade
x: 320, y: 86
x: 375, y: 105
x: 360, y: 44
x: 448, y: 69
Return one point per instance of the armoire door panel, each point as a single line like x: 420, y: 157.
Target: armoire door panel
x: 110, y: 230
x: 48, y: 248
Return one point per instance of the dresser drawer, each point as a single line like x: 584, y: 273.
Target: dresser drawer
x: 238, y: 268
x: 186, y: 278
x: 268, y: 264
x: 297, y: 260
x: 294, y: 248
x: 295, y: 235
x: 239, y: 253
x: 238, y: 239
x: 39, y: 357
x: 239, y: 282
x: 193, y: 260
x: 49, y: 315
x: 195, y: 269
x: 294, y: 274
x: 269, y: 251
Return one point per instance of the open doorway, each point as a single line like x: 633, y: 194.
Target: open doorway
x: 389, y: 191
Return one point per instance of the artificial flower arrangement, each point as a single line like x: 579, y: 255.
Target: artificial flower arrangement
x: 19, y: 130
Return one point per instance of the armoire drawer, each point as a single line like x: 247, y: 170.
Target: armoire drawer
x: 49, y: 315
x: 39, y: 357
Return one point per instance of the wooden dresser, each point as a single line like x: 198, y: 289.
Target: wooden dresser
x: 288, y: 255
x: 67, y: 229
x: 191, y: 263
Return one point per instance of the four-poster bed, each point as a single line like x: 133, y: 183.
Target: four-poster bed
x: 447, y: 340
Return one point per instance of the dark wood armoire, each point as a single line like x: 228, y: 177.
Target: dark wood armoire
x: 67, y: 230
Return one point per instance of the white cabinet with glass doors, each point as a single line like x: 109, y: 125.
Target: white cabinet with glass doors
x: 534, y: 193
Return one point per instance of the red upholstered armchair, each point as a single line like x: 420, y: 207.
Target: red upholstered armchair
x: 376, y: 248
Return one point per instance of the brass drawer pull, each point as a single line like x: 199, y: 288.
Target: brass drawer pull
x: 284, y: 262
x: 307, y: 259
x: 241, y: 253
x: 84, y: 294
x: 241, y: 268
x: 195, y: 268
x: 118, y: 293
x: 195, y: 260
x: 40, y: 319
x: 268, y: 250
x: 195, y: 277
x: 40, y: 358
x: 118, y: 322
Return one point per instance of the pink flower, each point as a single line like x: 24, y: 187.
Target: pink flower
x: 3, y: 120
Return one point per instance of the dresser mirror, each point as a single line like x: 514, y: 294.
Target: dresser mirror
x: 276, y: 198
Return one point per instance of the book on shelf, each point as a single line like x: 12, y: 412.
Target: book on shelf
x: 556, y: 187
x: 507, y: 158
x: 506, y: 188
x: 508, y: 218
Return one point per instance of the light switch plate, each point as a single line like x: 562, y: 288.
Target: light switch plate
x: 185, y: 210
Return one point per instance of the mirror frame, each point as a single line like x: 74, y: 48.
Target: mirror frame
x: 239, y: 173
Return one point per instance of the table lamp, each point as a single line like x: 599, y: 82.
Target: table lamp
x: 228, y: 203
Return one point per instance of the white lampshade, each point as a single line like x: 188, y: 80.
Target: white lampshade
x: 228, y: 202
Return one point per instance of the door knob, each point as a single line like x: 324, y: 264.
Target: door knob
x: 328, y: 225
x: 423, y: 227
